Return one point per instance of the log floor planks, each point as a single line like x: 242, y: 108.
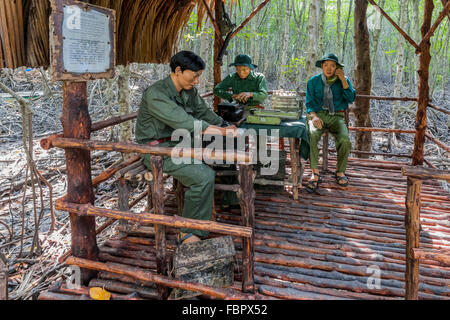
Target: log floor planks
x: 328, y: 245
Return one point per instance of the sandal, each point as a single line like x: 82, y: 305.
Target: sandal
x: 313, y: 185
x: 342, y: 181
x: 179, y: 240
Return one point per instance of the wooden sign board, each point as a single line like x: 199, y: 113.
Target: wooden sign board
x: 83, y: 41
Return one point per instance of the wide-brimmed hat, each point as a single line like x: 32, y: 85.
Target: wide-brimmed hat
x: 328, y: 57
x: 244, y: 60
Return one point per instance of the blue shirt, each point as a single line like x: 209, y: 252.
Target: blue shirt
x: 341, y: 97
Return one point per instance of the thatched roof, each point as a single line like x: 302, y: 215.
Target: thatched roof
x: 147, y: 30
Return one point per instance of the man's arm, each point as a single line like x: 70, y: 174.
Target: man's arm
x: 261, y: 93
x: 221, y: 90
x: 167, y: 111
x: 205, y: 113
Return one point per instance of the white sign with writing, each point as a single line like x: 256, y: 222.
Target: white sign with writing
x: 87, y: 41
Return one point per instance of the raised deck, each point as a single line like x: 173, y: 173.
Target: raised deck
x: 329, y: 245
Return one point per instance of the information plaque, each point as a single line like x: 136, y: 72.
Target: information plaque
x: 82, y: 41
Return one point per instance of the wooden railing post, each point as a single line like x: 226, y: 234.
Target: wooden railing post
x: 247, y: 196
x: 76, y: 124
x: 160, y: 231
x: 3, y: 278
x: 412, y: 226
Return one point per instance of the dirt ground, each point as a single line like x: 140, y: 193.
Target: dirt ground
x: 26, y: 219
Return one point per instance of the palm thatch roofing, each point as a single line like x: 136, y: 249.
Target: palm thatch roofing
x: 147, y: 30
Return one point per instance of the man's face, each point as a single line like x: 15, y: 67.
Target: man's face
x: 243, y: 71
x: 187, y: 79
x: 329, y: 68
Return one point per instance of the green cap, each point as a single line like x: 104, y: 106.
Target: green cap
x: 243, y: 60
x: 328, y: 57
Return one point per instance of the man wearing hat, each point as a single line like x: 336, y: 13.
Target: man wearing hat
x: 248, y: 87
x: 328, y: 95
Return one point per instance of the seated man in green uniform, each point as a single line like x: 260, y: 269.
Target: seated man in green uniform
x: 248, y: 87
x: 174, y: 103
x: 328, y: 95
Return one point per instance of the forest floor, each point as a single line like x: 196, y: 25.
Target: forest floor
x: 26, y: 239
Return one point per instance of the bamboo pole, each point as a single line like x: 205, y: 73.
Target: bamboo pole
x: 148, y: 218
x: 412, y: 223
x: 160, y: 280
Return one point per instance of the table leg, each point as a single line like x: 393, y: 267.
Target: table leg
x: 295, y: 165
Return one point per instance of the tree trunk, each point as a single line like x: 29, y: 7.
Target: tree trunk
x: 76, y: 124
x: 338, y: 28
x: 363, y: 77
x: 346, y: 30
x: 376, y: 39
x: 123, y: 82
x: 311, y: 30
x: 399, y: 69
x: 285, y: 47
x: 205, y: 45
x: 321, y: 27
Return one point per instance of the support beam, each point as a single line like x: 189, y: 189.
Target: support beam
x: 437, y: 142
x: 160, y: 230
x: 76, y: 124
x: 247, y: 195
x: 424, y: 89
x: 412, y: 225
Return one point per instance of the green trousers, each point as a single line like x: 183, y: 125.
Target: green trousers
x: 337, y: 127
x: 198, y: 200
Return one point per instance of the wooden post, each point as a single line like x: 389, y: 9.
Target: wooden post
x: 76, y: 124
x: 160, y: 231
x: 3, y: 278
x: 217, y: 70
x: 124, y: 195
x: 412, y: 226
x: 247, y: 197
x: 179, y: 193
x: 295, y: 165
x: 424, y: 90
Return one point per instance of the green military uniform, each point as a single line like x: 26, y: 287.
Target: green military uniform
x: 255, y: 83
x: 164, y: 110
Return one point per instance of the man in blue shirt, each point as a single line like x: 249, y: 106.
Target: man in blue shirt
x: 327, y: 97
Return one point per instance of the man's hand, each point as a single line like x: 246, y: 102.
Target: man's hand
x: 341, y: 75
x: 318, y: 123
x: 243, y: 97
x: 218, y: 131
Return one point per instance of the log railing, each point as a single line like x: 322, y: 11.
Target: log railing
x: 158, y: 217
x: 415, y: 176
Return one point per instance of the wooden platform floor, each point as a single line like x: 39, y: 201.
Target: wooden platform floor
x: 331, y: 245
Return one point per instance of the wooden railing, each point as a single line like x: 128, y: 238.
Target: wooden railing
x: 412, y: 225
